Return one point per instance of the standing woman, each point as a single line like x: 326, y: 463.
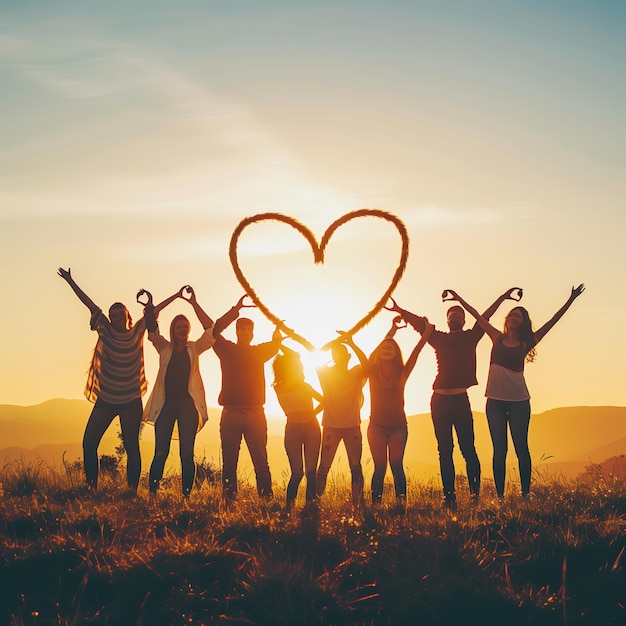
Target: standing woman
x: 302, y: 430
x: 387, y: 432
x: 342, y: 392
x: 508, y: 399
x: 116, y: 381
x: 178, y: 394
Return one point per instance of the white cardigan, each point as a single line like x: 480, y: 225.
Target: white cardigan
x: 155, y: 402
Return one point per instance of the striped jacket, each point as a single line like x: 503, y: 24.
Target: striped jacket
x: 117, y: 372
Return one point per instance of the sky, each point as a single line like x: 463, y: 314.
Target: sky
x: 136, y: 136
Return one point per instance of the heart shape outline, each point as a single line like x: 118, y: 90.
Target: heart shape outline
x: 318, y: 255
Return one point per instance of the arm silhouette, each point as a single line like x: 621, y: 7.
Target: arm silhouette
x: 230, y: 316
x: 66, y: 274
x: 412, y: 360
x: 202, y: 315
x: 514, y: 293
x: 493, y: 332
x: 541, y: 332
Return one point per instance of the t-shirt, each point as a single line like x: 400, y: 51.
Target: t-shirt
x: 116, y: 374
x: 297, y: 403
x: 456, y: 357
x: 387, y: 403
x: 506, y: 372
x: 177, y: 377
x: 343, y: 396
x: 243, y: 371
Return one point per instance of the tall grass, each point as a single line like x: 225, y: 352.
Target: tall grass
x: 70, y: 556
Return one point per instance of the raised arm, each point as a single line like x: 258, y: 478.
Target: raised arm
x: 66, y: 274
x: 397, y: 323
x: 159, y: 307
x: 410, y: 318
x: 349, y: 341
x: 202, y: 315
x: 514, y: 293
x: 541, y: 333
x: 230, y: 316
x: 412, y: 360
x: 293, y: 335
x: 493, y: 332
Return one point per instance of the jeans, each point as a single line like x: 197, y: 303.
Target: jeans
x: 387, y: 442
x: 249, y: 423
x: 185, y: 413
x: 353, y: 441
x: 102, y: 414
x: 302, y: 442
x: 516, y: 416
x: 448, y: 412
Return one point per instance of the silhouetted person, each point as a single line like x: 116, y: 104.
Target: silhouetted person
x: 178, y: 395
x: 243, y: 396
x: 342, y: 391
x: 302, y: 430
x: 387, y: 432
x: 450, y: 406
x: 115, y: 383
x: 508, y: 398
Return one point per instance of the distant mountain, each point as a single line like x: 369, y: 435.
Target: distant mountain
x: 562, y: 441
x: 613, y: 467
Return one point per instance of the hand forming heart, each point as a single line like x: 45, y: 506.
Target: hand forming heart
x: 144, y: 293
x: 318, y: 255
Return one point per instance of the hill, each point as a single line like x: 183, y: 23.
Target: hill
x: 563, y: 441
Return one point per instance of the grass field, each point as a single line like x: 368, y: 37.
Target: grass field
x: 69, y: 556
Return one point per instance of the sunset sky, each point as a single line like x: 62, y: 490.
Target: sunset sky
x: 135, y: 137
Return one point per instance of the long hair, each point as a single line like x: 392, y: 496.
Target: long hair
x: 525, y: 332
x: 287, y: 369
x: 396, y: 363
x: 119, y: 305
x: 178, y: 317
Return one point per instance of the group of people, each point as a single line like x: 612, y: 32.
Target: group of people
x: 116, y: 384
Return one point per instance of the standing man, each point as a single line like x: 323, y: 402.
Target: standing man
x: 116, y: 381
x: 243, y: 396
x: 456, y: 372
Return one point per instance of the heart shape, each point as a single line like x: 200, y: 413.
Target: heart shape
x: 318, y: 255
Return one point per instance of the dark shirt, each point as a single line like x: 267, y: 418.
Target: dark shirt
x: 177, y: 377
x: 243, y: 371
x: 511, y: 358
x: 455, y: 352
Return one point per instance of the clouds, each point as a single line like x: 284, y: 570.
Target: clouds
x: 141, y: 134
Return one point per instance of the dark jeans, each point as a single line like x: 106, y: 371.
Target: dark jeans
x: 387, y: 442
x: 448, y: 412
x: 302, y: 443
x: 353, y: 441
x: 501, y: 416
x: 102, y: 414
x: 185, y: 413
x: 249, y: 423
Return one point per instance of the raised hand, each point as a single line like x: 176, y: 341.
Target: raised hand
x: 241, y: 303
x: 399, y: 322
x: 344, y: 337
x: 576, y: 291
x: 65, y: 274
x: 144, y: 293
x: 394, y: 306
x: 448, y: 295
x: 186, y: 292
x: 276, y: 335
x: 515, y: 293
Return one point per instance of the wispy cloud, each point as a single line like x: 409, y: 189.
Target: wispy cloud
x: 154, y: 138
